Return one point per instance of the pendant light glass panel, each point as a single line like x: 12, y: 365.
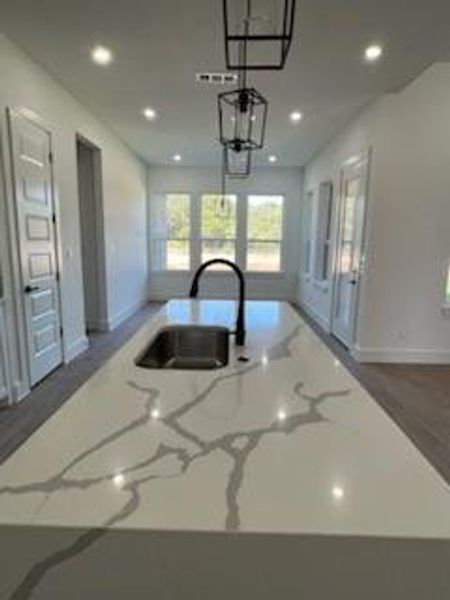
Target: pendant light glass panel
x: 265, y: 26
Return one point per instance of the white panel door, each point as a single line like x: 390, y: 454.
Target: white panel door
x: 33, y: 184
x: 349, y: 252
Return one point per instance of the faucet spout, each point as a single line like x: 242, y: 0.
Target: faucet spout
x: 240, y: 322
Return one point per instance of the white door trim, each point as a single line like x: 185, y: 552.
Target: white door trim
x: 13, y: 295
x: 101, y: 323
x: 5, y: 363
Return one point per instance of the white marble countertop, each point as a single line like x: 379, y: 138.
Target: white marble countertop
x: 288, y: 442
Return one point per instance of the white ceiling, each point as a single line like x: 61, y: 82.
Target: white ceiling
x: 160, y: 44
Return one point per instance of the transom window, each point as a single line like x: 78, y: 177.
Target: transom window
x: 187, y: 230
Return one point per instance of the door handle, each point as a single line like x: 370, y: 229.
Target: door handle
x: 354, y: 279
x: 29, y: 289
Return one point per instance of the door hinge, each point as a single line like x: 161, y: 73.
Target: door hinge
x: 57, y: 277
x: 61, y: 332
x: 54, y: 218
x: 50, y: 157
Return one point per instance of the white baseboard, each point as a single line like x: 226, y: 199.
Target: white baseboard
x: 20, y: 389
x: 76, y: 348
x: 4, y: 397
x: 401, y: 355
x: 126, y: 314
x: 318, y: 318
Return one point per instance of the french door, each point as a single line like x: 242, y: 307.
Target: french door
x: 349, y: 250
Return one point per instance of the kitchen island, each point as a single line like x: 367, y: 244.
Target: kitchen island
x: 277, y: 476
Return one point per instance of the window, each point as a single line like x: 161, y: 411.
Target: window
x: 218, y: 227
x: 264, y: 233
x: 306, y: 233
x: 348, y: 225
x: 186, y: 230
x: 447, y: 288
x: 323, y: 232
x: 170, y: 232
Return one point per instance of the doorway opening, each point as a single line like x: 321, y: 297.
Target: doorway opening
x: 89, y: 164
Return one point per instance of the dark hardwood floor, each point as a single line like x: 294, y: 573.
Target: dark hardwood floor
x: 417, y: 397
x: 18, y: 422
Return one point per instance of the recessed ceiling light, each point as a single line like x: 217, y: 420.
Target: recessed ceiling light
x: 373, y: 53
x: 155, y: 413
x: 296, y: 116
x: 119, y: 480
x: 149, y: 113
x: 101, y: 55
x: 273, y: 158
x: 282, y: 416
x: 177, y: 157
x: 338, y: 492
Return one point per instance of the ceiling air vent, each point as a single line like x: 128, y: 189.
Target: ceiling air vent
x: 216, y: 78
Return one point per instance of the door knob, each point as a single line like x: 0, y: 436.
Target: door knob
x: 354, y: 279
x: 31, y: 288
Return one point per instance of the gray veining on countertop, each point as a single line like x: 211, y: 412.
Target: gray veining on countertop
x: 287, y: 442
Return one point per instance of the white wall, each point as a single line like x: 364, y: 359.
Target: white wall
x: 356, y: 139
x: 24, y: 85
x: 270, y: 180
x: 411, y: 226
x: 408, y: 247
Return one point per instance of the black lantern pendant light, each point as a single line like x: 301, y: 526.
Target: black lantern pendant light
x: 258, y: 36
x: 242, y: 119
x: 264, y: 26
x: 242, y: 124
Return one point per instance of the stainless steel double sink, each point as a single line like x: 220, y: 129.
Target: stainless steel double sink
x: 187, y: 347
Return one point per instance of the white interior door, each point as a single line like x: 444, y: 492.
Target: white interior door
x: 349, y: 251
x: 33, y: 184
